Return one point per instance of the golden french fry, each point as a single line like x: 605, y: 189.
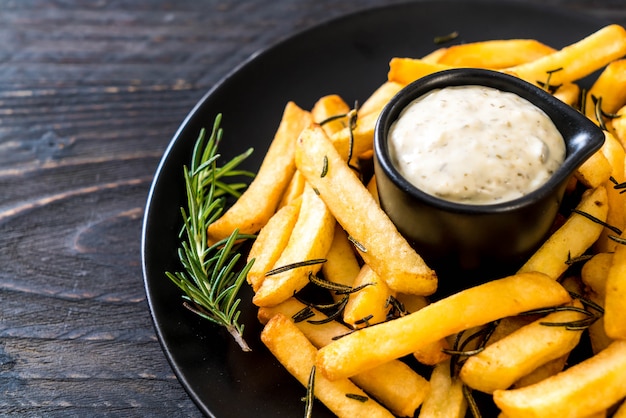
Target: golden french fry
x: 568, y: 93
x: 595, y: 271
x: 608, y: 92
x: 618, y: 125
x: 433, y: 57
x: 543, y: 372
x: 577, y: 60
x: 270, y: 242
x: 381, y: 96
x: 355, y: 142
x: 310, y: 239
x: 573, y: 238
x: 394, y: 384
x: 259, y: 202
x: 595, y: 171
x: 294, y: 351
x: 615, y: 299
x: 378, y: 241
x: 583, y: 389
x: 406, y: 70
x: 329, y: 107
x: 594, y: 274
x: 446, y: 399
x: 370, y: 305
x: 508, y: 325
x: 614, y: 153
x: 373, y: 189
x: 432, y: 353
x: 597, y: 334
x: 494, y: 54
x: 294, y: 189
x: 371, y: 346
x: 504, y: 362
x: 341, y: 264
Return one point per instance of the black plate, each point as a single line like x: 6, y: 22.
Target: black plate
x: 348, y: 56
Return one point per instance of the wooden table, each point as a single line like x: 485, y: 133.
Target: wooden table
x: 90, y: 94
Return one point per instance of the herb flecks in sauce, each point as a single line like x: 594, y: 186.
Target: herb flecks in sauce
x: 475, y: 145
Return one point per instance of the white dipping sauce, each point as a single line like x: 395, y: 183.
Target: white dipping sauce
x: 475, y: 145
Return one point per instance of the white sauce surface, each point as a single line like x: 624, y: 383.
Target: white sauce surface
x: 475, y: 145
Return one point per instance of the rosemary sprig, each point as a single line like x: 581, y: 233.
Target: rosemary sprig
x: 210, y: 279
x: 442, y: 39
x: 310, y: 394
x: 600, y: 114
x: 550, y: 88
x: 617, y: 185
x: 352, y: 117
x: 598, y: 221
x: 357, y: 397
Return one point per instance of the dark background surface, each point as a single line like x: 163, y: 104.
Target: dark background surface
x: 91, y: 92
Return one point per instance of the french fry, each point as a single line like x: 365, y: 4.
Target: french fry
x: 394, y: 384
x: 270, y: 242
x: 594, y: 274
x: 614, y: 153
x: 354, y: 142
x: 618, y: 125
x: 608, y: 92
x: 595, y: 271
x: 373, y: 189
x: 341, y: 264
x: 406, y: 70
x: 615, y: 299
x: 294, y: 189
x: 597, y: 335
x: 370, y: 305
x: 297, y: 355
x: 494, y: 54
x: 381, y: 96
x: 504, y: 362
x: 258, y: 203
x: 577, y: 60
x: 379, y: 243
x: 433, y: 57
x: 446, y: 399
x: 433, y: 353
x: 543, y: 372
x: 329, y: 107
x: 573, y: 238
x: 595, y: 171
x: 371, y: 346
x: 588, y: 387
x: 568, y: 93
x: 310, y: 239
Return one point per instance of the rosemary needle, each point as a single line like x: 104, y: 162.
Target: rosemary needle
x: 210, y: 278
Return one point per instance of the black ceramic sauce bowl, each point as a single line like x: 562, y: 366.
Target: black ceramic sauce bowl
x: 491, y: 239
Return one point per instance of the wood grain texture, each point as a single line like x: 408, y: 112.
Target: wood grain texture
x: 90, y: 94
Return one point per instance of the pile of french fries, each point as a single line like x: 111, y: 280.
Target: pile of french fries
x: 319, y: 223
